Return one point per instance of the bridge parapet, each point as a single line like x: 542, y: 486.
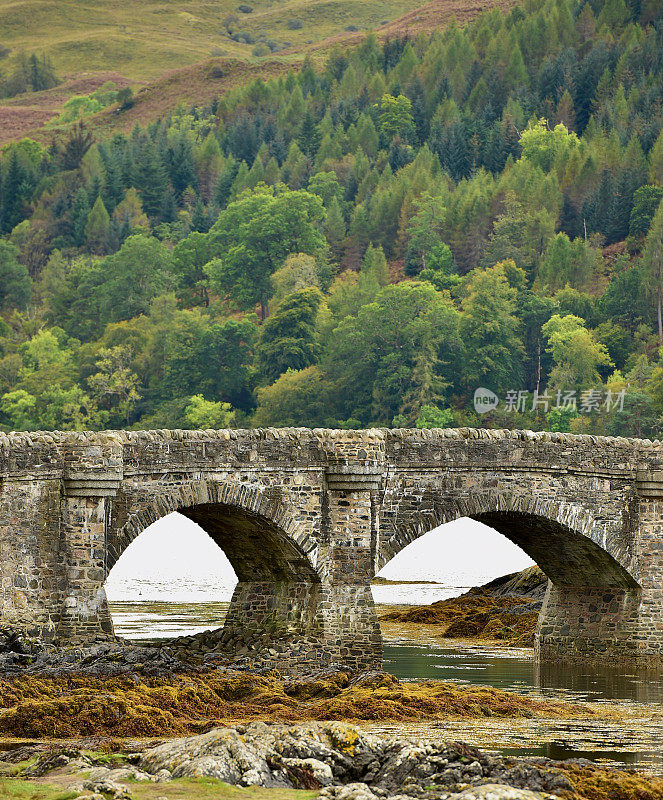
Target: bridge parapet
x: 46, y: 452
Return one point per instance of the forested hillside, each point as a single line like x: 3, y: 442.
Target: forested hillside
x: 365, y: 244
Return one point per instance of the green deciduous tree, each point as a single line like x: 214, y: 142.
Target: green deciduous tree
x: 254, y: 235
x: 399, y: 353
x: 299, y: 271
x: 139, y: 271
x: 547, y: 148
x: 297, y: 398
x: 432, y: 416
x: 189, y: 258
x: 577, y: 355
x: 203, y: 414
x: 424, y: 232
x: 395, y: 115
x: 114, y: 384
x: 288, y: 339
x: 491, y: 331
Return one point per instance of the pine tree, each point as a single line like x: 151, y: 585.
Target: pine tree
x: 335, y: 226
x: 309, y: 137
x: 656, y: 161
x: 149, y: 177
x: 455, y: 153
x: 11, y: 212
x: 272, y: 172
x: 209, y: 162
x: 181, y: 166
x: 80, y: 212
x: 374, y: 264
x: 97, y: 227
x: 226, y: 180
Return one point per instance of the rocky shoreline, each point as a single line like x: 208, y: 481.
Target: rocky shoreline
x: 339, y: 761
x: 247, y: 725
x: 505, y: 610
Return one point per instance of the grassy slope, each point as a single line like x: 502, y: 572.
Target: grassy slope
x: 166, y: 47
x: 144, y: 38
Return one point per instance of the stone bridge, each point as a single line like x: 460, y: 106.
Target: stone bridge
x: 307, y: 517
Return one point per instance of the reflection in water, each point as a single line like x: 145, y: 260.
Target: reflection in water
x: 636, y: 740
x: 161, y: 620
x: 602, y: 682
x: 514, y: 669
x: 468, y: 664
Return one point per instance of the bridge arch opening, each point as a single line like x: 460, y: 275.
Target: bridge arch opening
x: 591, y: 598
x: 457, y: 555
x: 172, y: 580
x: 572, y: 548
x: 568, y: 557
x: 267, y: 570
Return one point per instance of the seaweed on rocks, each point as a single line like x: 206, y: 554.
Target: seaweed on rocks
x: 88, y: 705
x: 344, y: 762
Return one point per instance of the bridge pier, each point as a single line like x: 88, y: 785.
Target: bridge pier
x: 611, y: 623
x: 330, y: 621
x: 591, y: 624
x: 84, y: 613
x: 350, y: 533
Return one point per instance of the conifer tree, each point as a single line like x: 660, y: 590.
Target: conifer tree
x: 652, y: 260
x: 11, y: 212
x: 374, y: 264
x: 80, y: 212
x: 149, y: 177
x: 97, y: 227
x: 335, y: 226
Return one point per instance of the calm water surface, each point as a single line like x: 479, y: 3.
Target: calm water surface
x: 636, y: 739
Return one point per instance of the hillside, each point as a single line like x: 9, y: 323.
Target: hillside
x: 32, y: 114
x: 142, y: 39
x: 152, y: 68
x: 366, y: 239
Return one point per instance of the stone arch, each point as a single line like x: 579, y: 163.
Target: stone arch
x: 260, y: 535
x: 564, y: 539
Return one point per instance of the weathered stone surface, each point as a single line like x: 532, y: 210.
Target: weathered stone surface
x: 307, y: 517
x: 342, y: 761
x: 352, y: 764
x: 496, y: 791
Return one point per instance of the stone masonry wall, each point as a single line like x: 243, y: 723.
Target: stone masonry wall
x: 307, y: 517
